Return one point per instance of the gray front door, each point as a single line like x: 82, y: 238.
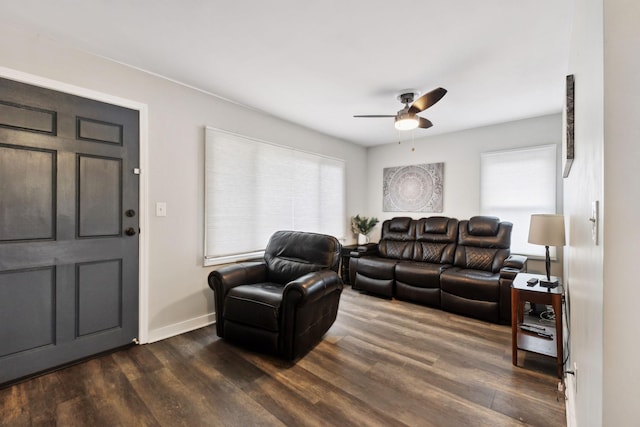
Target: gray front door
x: 68, y: 228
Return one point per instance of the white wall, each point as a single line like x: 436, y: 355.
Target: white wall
x: 621, y: 346
x: 603, y: 293
x: 179, y: 297
x: 584, y: 265
x: 460, y: 152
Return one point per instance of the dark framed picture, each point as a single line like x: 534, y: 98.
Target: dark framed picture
x: 568, y: 140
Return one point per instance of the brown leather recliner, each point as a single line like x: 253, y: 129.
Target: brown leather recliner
x: 473, y: 286
x: 284, y: 304
x: 376, y: 274
x: 434, y: 248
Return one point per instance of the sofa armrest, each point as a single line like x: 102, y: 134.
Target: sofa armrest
x: 365, y: 250
x: 515, y: 261
x: 312, y: 287
x: 513, y: 265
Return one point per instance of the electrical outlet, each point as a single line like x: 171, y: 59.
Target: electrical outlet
x: 560, y: 396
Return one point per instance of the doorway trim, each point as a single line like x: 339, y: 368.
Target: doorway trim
x: 143, y: 266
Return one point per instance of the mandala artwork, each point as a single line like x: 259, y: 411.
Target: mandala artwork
x: 417, y: 188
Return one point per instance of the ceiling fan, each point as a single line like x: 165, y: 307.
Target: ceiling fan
x: 406, y: 118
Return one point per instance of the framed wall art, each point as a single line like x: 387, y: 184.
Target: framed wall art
x: 417, y: 188
x: 568, y: 140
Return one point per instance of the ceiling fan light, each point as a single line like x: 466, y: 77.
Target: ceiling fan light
x: 406, y: 123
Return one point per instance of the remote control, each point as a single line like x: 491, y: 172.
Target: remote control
x: 532, y: 282
x: 530, y: 327
x: 539, y: 331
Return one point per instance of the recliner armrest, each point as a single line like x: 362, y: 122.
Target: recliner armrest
x: 515, y: 261
x: 227, y: 278
x: 365, y: 250
x: 313, y: 286
x: 507, y: 274
x: 243, y: 273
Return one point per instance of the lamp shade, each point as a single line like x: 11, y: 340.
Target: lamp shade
x: 547, y: 230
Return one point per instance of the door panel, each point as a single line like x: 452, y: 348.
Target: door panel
x: 93, y: 130
x: 29, y: 322
x: 27, y: 183
x: 68, y: 272
x: 99, y: 196
x: 24, y: 117
x: 99, y: 290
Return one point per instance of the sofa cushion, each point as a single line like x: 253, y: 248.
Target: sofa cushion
x: 483, y: 310
x: 397, y: 250
x: 435, y: 240
x: 502, y: 238
x: 397, y: 238
x: 487, y: 248
x: 471, y: 284
x: 433, y: 225
x: 400, y: 224
x: 256, y: 305
x: 291, y: 254
x: 375, y: 274
x: 472, y: 293
x: 419, y: 274
x: 483, y: 225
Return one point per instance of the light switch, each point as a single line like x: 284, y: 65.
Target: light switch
x: 594, y: 221
x: 161, y: 209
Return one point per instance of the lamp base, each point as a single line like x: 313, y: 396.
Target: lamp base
x: 549, y: 284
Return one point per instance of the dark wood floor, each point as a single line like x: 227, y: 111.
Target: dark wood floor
x: 383, y: 363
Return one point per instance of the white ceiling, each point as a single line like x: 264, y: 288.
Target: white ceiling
x: 317, y: 63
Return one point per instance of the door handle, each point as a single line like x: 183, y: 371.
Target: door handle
x: 130, y: 231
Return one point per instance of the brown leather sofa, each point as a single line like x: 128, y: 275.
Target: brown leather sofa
x: 464, y: 267
x: 284, y: 304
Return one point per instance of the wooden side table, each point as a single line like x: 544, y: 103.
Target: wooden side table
x: 345, y: 254
x: 543, y: 339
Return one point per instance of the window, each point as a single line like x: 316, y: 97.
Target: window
x: 254, y: 188
x: 515, y: 184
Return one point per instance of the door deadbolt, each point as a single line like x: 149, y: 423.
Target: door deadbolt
x: 130, y: 213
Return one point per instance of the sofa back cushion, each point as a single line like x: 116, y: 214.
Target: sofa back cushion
x: 483, y: 243
x: 292, y: 254
x: 436, y: 239
x: 397, y: 239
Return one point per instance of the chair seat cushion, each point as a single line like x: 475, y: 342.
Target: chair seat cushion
x: 256, y: 305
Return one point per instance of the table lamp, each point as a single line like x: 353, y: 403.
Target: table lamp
x: 547, y: 230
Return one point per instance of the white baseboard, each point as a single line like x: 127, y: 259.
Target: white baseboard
x: 180, y: 328
x: 570, y: 402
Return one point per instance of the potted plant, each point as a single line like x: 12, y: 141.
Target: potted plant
x: 362, y: 226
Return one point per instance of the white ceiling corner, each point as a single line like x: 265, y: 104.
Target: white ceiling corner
x: 319, y: 63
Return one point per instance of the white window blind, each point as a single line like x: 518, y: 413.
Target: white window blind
x: 517, y: 183
x: 254, y: 188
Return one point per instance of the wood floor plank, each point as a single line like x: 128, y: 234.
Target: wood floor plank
x: 383, y: 363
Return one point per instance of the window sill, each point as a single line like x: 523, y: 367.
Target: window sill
x: 210, y: 261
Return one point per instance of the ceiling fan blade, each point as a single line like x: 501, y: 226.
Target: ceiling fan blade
x: 427, y: 100
x: 376, y: 115
x: 424, y: 123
